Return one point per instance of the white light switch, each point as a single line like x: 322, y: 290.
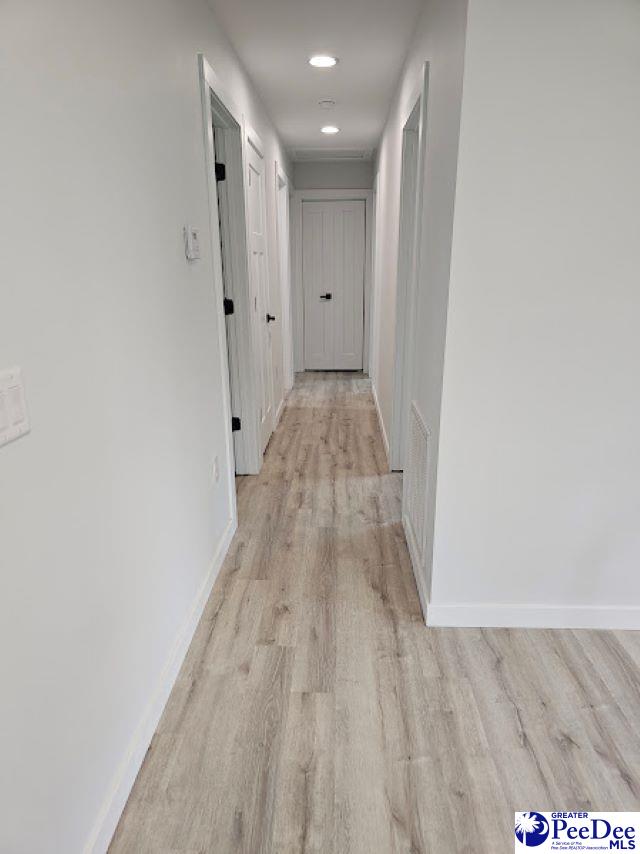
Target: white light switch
x: 191, y: 243
x: 14, y: 420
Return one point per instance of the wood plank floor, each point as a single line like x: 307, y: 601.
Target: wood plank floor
x: 316, y: 713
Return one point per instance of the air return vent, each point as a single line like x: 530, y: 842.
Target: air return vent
x: 328, y: 154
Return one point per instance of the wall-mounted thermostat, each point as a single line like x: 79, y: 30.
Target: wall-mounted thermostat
x: 14, y: 420
x: 191, y: 243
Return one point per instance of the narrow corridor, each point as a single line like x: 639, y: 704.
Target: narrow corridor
x: 315, y: 712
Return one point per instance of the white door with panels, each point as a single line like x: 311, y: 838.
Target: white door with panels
x: 333, y: 247
x: 259, y: 278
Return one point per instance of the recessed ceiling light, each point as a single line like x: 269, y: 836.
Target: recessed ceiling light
x: 330, y: 129
x: 321, y: 60
x: 327, y: 103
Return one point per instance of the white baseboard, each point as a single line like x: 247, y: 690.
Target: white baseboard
x: 125, y: 776
x: 385, y: 439
x: 533, y: 616
x: 415, y: 564
x: 281, y: 408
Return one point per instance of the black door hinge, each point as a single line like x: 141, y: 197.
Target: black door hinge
x: 236, y: 424
x: 228, y: 306
x: 221, y: 172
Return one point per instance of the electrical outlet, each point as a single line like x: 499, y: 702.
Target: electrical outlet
x: 216, y: 470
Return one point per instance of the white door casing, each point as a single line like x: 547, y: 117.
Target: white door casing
x: 333, y: 268
x: 259, y: 278
x: 220, y: 111
x: 404, y: 302
x: 284, y: 269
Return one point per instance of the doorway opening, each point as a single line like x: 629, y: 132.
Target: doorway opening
x: 225, y: 157
x: 333, y: 284
x: 332, y: 265
x: 259, y: 284
x: 284, y: 269
x: 410, y: 193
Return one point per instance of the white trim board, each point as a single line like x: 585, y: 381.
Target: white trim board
x: 283, y: 239
x: 125, y: 776
x: 297, y: 198
x: 416, y: 566
x: 280, y: 409
x: 490, y: 615
x: 255, y: 141
x: 385, y: 440
x: 373, y: 331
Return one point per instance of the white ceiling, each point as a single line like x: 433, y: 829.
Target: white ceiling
x: 274, y: 39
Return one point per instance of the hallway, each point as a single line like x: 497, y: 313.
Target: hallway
x: 315, y: 712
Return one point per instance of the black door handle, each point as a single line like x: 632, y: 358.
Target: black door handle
x: 325, y: 296
x: 270, y: 317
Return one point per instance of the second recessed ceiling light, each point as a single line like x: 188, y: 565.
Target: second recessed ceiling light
x: 322, y: 60
x: 330, y: 129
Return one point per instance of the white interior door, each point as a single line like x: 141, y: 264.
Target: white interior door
x: 284, y: 248
x: 258, y: 273
x: 333, y: 245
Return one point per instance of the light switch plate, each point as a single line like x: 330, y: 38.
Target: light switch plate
x: 14, y: 418
x: 191, y: 243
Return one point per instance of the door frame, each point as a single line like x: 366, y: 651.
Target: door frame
x: 374, y: 361
x: 254, y: 142
x: 246, y: 458
x: 297, y: 300
x: 411, y: 178
x: 283, y: 237
x: 407, y: 271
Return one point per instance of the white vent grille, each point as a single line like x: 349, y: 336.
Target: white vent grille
x: 313, y: 154
x: 416, y: 475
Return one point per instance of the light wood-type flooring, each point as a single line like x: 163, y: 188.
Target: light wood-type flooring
x: 315, y: 712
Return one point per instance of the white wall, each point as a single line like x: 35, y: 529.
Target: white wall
x: 109, y: 517
x: 439, y: 40
x: 539, y: 474
x: 330, y: 175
